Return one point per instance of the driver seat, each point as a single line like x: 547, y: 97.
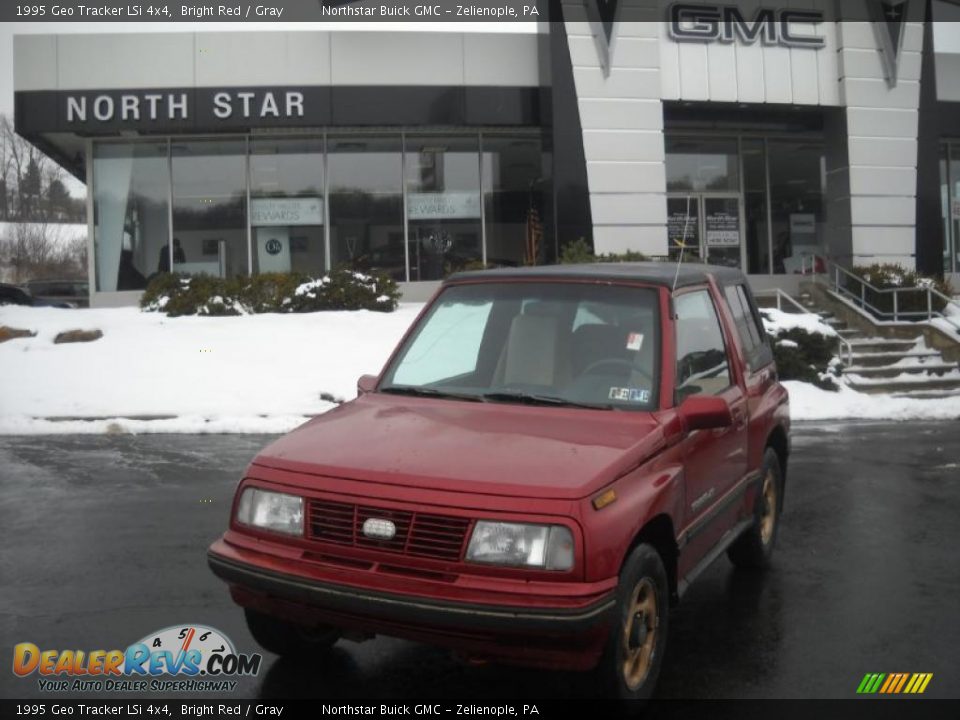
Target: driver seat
x: 593, y: 342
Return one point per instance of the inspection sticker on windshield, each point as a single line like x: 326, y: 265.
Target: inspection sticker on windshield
x: 630, y: 394
x: 634, y: 341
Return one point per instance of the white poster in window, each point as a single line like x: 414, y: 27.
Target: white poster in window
x: 443, y: 206
x: 267, y: 212
x: 803, y: 224
x: 722, y: 228
x: 273, y: 249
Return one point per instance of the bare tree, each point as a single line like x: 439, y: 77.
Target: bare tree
x: 26, y: 176
x: 41, y: 250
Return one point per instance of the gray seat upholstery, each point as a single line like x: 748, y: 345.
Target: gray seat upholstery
x: 530, y: 355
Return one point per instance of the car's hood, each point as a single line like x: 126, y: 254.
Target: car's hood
x: 490, y: 448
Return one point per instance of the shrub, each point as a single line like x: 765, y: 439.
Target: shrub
x: 270, y: 292
x: 344, y: 290
x: 579, y: 252
x: 808, y: 357
x: 885, y: 276
x: 267, y: 292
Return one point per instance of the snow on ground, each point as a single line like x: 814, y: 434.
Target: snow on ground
x: 250, y: 374
x: 808, y: 402
x: 777, y: 321
x: 254, y: 373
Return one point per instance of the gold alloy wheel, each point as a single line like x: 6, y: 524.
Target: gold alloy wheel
x: 768, y: 512
x: 640, y: 633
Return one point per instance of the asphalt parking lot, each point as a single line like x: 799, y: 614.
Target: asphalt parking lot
x: 104, y: 541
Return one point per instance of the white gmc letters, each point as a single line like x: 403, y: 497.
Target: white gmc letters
x: 726, y: 24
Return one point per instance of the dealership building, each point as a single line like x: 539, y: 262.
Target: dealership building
x: 755, y: 139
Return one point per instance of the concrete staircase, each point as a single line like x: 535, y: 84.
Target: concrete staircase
x: 886, y: 360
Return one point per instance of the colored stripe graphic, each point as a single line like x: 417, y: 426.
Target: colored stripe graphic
x: 894, y: 683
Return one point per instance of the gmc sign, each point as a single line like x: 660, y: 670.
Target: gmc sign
x: 726, y: 24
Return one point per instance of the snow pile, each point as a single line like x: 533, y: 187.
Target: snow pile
x: 950, y: 323
x: 808, y: 402
x: 777, y: 321
x: 253, y: 373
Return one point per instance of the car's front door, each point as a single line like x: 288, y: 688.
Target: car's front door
x: 715, y: 461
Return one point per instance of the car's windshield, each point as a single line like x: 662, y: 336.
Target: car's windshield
x: 558, y: 344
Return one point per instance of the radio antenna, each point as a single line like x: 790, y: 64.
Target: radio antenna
x: 683, y: 245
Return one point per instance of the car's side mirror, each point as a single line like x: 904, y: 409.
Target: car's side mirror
x: 705, y: 412
x: 366, y: 383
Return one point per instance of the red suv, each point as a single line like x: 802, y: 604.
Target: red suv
x: 547, y: 461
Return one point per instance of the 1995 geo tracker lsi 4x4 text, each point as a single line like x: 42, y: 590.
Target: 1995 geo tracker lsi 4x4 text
x: 547, y: 461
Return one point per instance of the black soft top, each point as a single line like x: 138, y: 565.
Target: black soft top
x: 654, y: 273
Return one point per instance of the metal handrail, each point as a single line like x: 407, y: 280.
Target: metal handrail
x: 865, y: 285
x: 780, y: 295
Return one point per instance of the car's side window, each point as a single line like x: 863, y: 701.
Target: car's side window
x: 702, y: 365
x: 749, y: 328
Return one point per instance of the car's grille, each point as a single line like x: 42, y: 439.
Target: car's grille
x: 421, y: 534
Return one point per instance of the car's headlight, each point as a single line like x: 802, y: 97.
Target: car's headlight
x: 277, y: 512
x: 543, y: 546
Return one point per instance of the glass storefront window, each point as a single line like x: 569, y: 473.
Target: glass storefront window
x: 776, y: 207
x: 210, y: 207
x: 257, y: 204
x: 796, y: 198
x: 443, y: 204
x: 131, y: 213
x: 683, y: 227
x: 287, y: 205
x: 755, y: 206
x: 512, y: 200
x: 702, y: 164
x: 952, y: 237
x: 364, y: 180
x: 945, y: 209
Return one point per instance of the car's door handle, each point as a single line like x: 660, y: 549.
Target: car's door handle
x: 766, y: 378
x: 739, y: 417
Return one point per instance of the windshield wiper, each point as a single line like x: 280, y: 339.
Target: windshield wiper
x: 429, y: 392
x: 535, y: 399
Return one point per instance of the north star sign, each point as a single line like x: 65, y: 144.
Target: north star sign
x: 153, y: 106
x: 727, y: 24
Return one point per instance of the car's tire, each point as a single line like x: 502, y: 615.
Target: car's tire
x: 289, y: 639
x: 631, y: 661
x: 754, y: 549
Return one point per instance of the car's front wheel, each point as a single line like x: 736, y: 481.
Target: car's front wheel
x: 289, y: 639
x: 634, y: 652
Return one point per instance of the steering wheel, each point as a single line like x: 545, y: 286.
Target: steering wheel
x: 618, y: 362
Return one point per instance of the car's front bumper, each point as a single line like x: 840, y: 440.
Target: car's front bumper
x: 520, y: 627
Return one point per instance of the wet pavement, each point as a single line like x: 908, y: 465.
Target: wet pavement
x: 104, y: 541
